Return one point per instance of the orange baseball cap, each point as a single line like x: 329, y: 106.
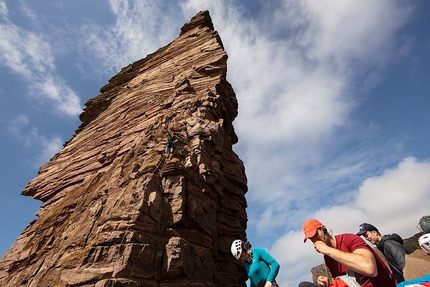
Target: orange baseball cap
x: 310, y: 228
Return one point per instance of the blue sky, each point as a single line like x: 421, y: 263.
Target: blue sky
x: 334, y: 104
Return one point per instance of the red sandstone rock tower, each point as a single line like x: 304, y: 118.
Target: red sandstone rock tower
x: 117, y: 210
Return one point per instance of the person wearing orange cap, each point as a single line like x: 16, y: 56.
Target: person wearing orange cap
x: 347, y: 252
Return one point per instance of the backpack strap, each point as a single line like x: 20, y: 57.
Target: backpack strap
x: 355, y: 275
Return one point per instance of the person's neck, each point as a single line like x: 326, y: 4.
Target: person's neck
x: 331, y: 240
x: 378, y: 239
x: 249, y: 256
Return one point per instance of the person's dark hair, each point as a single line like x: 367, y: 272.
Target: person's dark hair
x: 373, y: 228
x: 247, y: 245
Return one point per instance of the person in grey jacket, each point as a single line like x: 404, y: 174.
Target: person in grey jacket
x: 391, y: 246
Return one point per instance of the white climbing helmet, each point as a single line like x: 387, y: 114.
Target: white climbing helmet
x: 424, y: 242
x: 236, y: 248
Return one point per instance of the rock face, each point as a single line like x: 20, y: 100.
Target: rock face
x: 417, y: 265
x: 120, y: 211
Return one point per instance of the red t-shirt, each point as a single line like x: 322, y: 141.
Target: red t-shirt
x: 349, y: 243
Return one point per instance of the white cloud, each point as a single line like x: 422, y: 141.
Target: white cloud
x: 404, y: 188
x: 345, y: 31
x: 296, y: 259
x: 30, y: 55
x: 30, y: 14
x: 17, y: 124
x: 49, y: 147
x: 30, y: 137
x: 4, y: 12
x: 54, y: 89
x: 134, y: 33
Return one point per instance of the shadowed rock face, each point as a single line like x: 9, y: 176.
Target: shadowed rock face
x: 116, y: 207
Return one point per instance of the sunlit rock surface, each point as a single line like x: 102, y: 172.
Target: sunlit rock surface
x: 116, y: 208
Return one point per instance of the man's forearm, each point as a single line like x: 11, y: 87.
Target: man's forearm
x: 360, y: 261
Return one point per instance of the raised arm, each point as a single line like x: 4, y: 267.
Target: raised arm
x: 361, y: 260
x: 274, y: 266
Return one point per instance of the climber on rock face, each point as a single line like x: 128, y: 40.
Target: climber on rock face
x: 171, y: 139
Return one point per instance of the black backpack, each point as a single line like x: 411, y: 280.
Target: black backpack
x: 424, y: 224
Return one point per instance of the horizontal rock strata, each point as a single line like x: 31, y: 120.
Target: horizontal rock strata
x: 120, y: 211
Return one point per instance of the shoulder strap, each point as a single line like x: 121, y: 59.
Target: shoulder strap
x: 355, y: 275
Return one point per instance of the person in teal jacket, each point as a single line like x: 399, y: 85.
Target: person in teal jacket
x: 260, y: 266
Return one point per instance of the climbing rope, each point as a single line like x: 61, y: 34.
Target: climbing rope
x: 166, y: 157
x: 163, y: 160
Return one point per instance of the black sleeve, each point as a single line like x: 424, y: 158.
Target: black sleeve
x: 395, y: 252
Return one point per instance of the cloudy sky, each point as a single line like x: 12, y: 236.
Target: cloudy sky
x: 334, y: 104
